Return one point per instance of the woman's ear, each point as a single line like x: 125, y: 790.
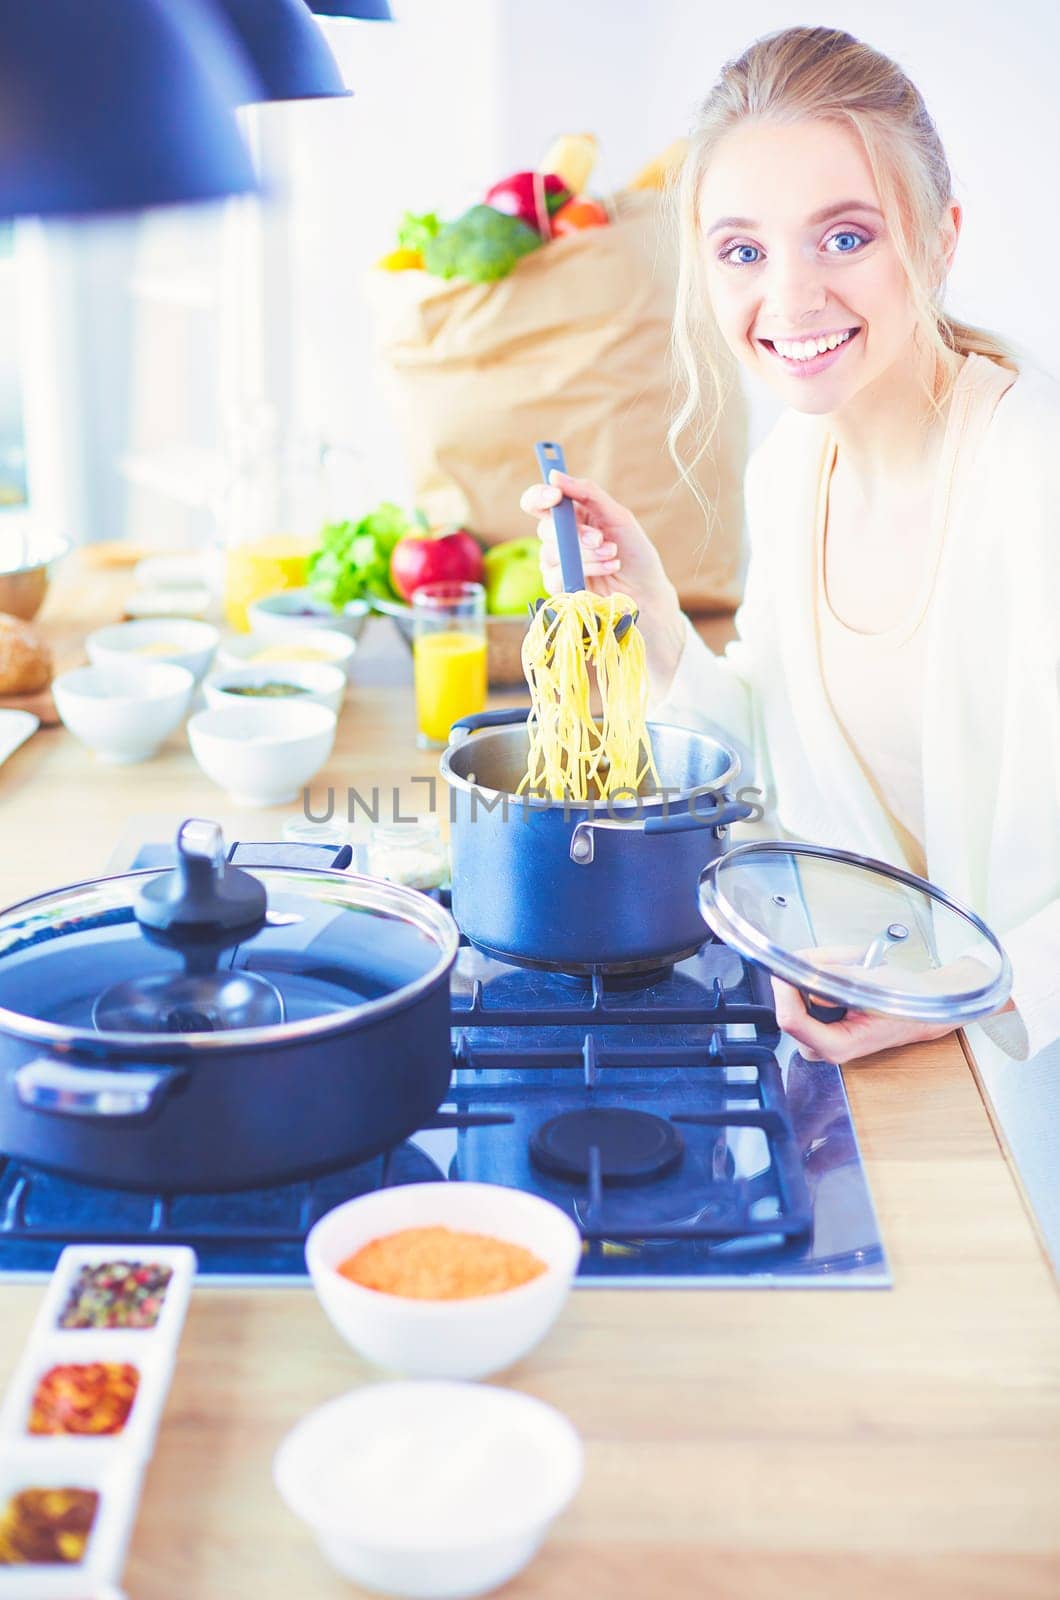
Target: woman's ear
x: 949, y: 233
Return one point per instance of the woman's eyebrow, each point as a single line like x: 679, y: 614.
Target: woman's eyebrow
x: 818, y: 216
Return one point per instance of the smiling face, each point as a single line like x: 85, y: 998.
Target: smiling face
x: 799, y: 259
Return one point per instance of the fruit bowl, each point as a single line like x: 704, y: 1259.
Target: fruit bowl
x: 504, y: 640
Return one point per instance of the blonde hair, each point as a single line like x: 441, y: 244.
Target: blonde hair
x: 827, y: 75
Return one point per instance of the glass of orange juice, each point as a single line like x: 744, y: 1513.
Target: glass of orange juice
x: 448, y: 657
x: 257, y: 568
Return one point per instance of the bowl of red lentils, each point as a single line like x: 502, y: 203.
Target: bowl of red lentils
x: 443, y: 1280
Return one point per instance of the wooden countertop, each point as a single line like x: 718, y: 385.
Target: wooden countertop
x: 739, y: 1443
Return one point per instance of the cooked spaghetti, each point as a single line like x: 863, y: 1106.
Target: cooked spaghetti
x: 573, y: 754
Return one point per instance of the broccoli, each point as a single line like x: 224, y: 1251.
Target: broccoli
x: 482, y: 245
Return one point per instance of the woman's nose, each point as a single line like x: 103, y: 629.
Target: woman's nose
x: 794, y: 289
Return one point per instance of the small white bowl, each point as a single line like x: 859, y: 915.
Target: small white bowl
x: 123, y: 711
x: 262, y: 753
x: 289, y: 611
x: 444, y: 1338
x: 320, y: 683
x: 178, y: 640
x: 433, y: 1491
x: 308, y: 646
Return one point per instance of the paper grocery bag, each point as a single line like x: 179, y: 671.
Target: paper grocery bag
x: 573, y: 345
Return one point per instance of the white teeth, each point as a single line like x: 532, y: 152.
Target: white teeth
x: 806, y: 349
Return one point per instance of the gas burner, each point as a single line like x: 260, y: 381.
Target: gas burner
x: 628, y: 974
x: 634, y: 1146
x: 624, y: 982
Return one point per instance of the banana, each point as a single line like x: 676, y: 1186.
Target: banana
x: 572, y: 157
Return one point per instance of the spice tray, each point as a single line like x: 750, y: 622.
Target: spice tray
x: 68, y: 1497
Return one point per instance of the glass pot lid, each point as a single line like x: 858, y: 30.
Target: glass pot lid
x: 209, y: 954
x: 855, y: 931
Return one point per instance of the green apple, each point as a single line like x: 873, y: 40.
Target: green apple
x: 512, y: 574
x: 498, y: 555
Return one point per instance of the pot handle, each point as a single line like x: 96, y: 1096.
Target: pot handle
x: 683, y: 821
x: 582, y: 847
x: 70, y: 1091
x: 487, y: 719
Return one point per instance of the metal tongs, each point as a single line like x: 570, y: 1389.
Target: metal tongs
x: 549, y: 456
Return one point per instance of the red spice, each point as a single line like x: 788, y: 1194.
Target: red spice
x: 93, y: 1398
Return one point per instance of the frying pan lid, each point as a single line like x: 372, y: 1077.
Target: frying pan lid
x: 856, y: 931
x: 306, y: 950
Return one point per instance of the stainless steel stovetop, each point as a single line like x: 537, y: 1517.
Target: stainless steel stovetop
x: 692, y: 1143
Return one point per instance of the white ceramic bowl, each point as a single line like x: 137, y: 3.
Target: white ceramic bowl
x: 319, y: 682
x: 430, y: 1490
x: 312, y: 645
x: 444, y: 1338
x: 263, y: 754
x: 174, y: 639
x: 123, y: 712
x: 294, y: 610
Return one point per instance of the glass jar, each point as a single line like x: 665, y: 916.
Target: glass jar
x: 410, y: 853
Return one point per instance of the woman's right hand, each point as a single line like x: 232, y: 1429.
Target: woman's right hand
x: 617, y: 558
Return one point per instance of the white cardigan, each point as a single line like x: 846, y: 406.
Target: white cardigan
x: 991, y: 713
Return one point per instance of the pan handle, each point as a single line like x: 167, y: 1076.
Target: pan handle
x: 582, y: 844
x: 71, y: 1091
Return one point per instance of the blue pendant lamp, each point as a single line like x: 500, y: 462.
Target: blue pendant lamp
x: 112, y: 105
x: 364, y: 10
x: 286, y: 49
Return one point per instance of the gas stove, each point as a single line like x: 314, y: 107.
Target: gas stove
x: 691, y: 1142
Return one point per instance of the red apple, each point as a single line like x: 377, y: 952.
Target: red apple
x: 453, y: 557
x: 521, y: 194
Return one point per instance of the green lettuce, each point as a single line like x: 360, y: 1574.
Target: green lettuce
x: 353, y: 560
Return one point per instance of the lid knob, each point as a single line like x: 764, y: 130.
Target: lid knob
x: 202, y: 900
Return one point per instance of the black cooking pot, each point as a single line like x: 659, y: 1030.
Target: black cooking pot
x: 573, y: 887
x: 220, y: 1028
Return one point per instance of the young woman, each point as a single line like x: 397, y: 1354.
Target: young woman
x: 895, y: 675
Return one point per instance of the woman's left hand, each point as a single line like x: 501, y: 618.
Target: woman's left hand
x: 861, y: 1033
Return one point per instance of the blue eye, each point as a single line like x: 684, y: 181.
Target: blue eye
x: 734, y: 255
x: 846, y: 242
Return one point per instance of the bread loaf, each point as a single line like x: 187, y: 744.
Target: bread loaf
x: 25, y: 660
